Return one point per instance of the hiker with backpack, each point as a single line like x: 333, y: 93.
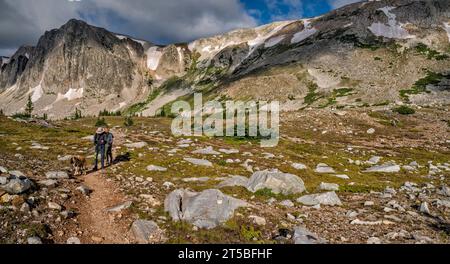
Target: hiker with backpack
x: 109, y: 145
x: 100, y: 143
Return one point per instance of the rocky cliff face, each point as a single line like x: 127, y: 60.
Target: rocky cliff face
x: 77, y: 65
x: 396, y: 49
x: 12, y: 68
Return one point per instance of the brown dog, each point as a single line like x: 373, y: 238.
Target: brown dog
x: 79, y: 165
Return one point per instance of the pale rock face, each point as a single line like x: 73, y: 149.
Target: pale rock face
x: 304, y: 34
x: 207, y: 209
x: 153, y: 57
x: 393, y: 30
x: 447, y: 29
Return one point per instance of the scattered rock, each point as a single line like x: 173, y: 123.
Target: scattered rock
x: 36, y: 145
x: 147, y: 232
x: 374, y: 240
x: 444, y: 190
x: 48, y: 183
x: 84, y: 190
x: 17, y: 173
x: 120, y: 207
x: 207, y: 209
x: 136, y: 145
x: 54, y: 206
x: 443, y: 202
x: 370, y: 223
x: 369, y: 204
x: 89, y: 138
x: 277, y: 182
x: 234, y: 181
x: 229, y: 151
x: 324, y: 168
x: 374, y: 160
x: 328, y: 198
x: 303, y: 236
x: 299, y: 166
x: 34, y: 240
x: 156, y: 168
x: 206, y: 151
x: 168, y: 185
x: 199, y: 162
x: 287, y: 203
x: 17, y: 185
x: 342, y: 176
x: 3, y: 180
x: 194, y: 179
x: 56, y: 175
x: 371, y: 131
x: 328, y: 187
x: 3, y: 170
x: 73, y: 241
x: 387, y: 168
x: 261, y: 221
x: 64, y: 158
x: 25, y: 208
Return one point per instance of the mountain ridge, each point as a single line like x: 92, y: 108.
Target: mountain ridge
x: 105, y: 70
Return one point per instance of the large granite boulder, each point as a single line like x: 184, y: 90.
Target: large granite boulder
x: 207, y: 209
x: 277, y: 182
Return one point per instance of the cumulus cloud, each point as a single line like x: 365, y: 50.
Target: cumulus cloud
x: 164, y: 21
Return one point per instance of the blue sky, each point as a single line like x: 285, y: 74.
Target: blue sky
x: 22, y: 22
x: 267, y: 11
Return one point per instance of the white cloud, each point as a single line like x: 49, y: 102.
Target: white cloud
x: 23, y: 21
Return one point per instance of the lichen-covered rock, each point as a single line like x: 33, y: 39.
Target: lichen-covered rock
x: 303, y: 236
x: 234, y: 181
x: 17, y: 185
x: 277, y: 182
x: 147, y: 232
x: 207, y: 209
x: 328, y: 198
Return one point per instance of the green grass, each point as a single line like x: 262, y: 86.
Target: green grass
x: 312, y: 95
x: 404, y: 110
x: 430, y: 53
x: 432, y: 78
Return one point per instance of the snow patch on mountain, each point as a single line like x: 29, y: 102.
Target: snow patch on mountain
x: 263, y: 37
x: 37, y: 93
x: 274, y: 41
x: 153, y: 57
x: 71, y: 95
x: 304, y: 34
x: 393, y: 29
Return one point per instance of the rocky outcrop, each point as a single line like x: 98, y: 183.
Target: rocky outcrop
x: 77, y: 64
x: 11, y: 69
x: 207, y: 209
